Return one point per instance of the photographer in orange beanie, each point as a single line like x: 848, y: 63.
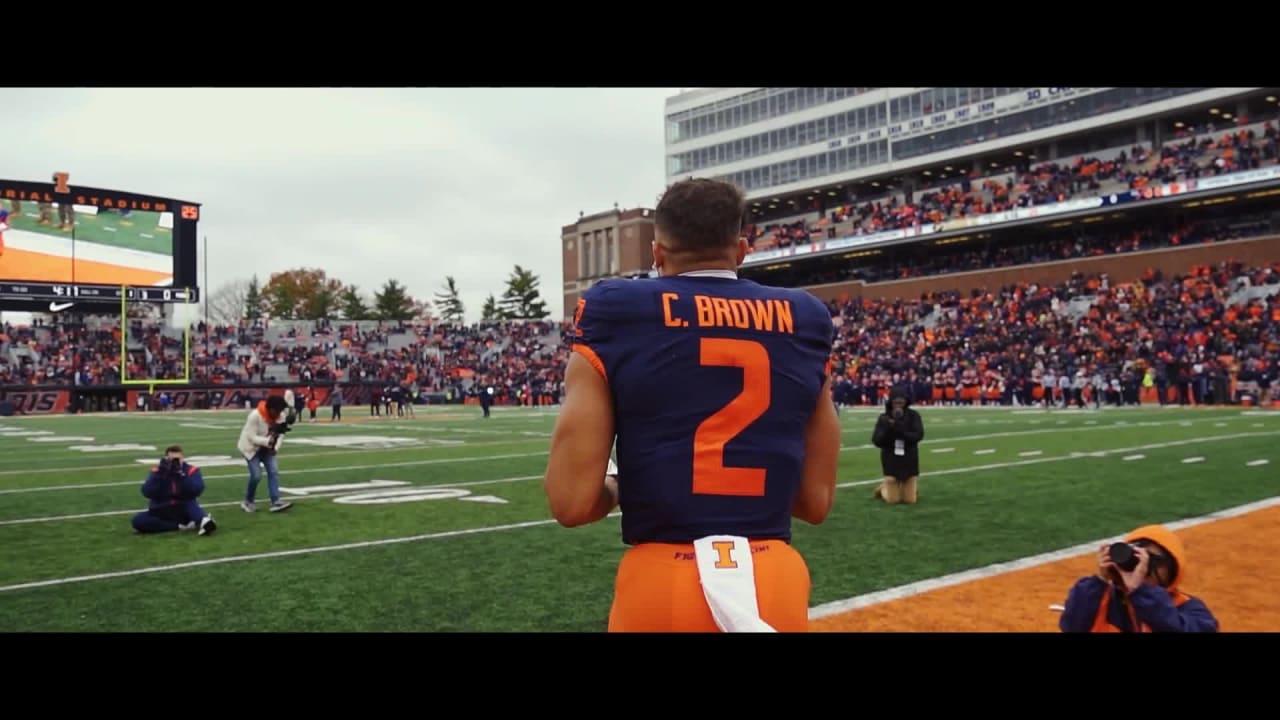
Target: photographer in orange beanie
x: 1136, y: 589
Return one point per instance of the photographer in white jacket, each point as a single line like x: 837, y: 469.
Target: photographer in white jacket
x: 259, y: 440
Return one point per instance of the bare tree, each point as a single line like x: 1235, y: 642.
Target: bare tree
x: 228, y: 304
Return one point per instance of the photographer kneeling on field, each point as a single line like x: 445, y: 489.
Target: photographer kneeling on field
x: 172, y: 487
x: 1136, y: 589
x: 898, y: 434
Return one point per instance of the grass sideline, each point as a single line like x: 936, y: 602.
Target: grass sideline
x: 467, y: 544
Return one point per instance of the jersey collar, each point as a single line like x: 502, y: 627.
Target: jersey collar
x: 727, y: 274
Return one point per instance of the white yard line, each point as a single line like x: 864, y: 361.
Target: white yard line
x: 861, y: 601
x: 302, y: 458
x: 415, y: 463
x: 305, y: 471
x: 278, y: 554
x: 232, y: 503
x: 1073, y: 456
x: 1042, y: 431
x: 533, y: 523
x: 323, y: 453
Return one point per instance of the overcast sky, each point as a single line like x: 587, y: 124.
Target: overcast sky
x: 414, y: 184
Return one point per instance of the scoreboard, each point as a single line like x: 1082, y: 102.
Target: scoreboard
x: 63, y: 245
x: 61, y: 293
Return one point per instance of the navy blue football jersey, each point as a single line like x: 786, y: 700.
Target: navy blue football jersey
x: 713, y: 381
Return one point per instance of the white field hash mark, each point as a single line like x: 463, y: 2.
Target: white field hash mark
x: 1130, y: 458
x: 1190, y: 460
x: 434, y: 461
x: 323, y: 453
x: 1257, y: 463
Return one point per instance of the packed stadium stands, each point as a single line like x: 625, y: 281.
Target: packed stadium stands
x: 1212, y: 334
x: 1192, y: 155
x: 518, y: 359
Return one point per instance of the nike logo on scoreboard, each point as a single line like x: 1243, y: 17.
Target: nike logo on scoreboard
x: 59, y: 307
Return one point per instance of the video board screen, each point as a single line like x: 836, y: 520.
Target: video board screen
x: 67, y: 243
x: 56, y: 238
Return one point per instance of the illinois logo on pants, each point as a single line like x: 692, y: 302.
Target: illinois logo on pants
x: 717, y: 584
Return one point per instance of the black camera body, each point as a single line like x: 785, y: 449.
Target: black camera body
x: 170, y: 466
x: 1122, y: 554
x: 277, y: 431
x: 898, y: 413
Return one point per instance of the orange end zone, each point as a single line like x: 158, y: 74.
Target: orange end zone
x: 38, y: 267
x: 1234, y: 568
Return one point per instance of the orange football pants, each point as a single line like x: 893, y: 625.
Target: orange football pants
x: 657, y: 589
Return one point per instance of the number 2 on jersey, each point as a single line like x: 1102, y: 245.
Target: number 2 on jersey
x: 710, y: 476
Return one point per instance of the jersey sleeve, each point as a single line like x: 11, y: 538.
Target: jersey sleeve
x: 820, y: 333
x: 597, y: 322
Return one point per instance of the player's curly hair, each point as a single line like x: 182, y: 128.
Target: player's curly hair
x: 701, y: 216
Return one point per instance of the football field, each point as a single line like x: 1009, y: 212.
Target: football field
x: 439, y: 523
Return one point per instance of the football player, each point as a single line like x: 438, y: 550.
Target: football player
x: 717, y: 392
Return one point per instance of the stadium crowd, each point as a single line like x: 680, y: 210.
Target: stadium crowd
x: 925, y: 260
x: 523, y: 362
x: 1025, y: 185
x: 1158, y: 339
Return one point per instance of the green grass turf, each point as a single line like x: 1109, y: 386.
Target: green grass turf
x: 544, y: 577
x: 139, y: 231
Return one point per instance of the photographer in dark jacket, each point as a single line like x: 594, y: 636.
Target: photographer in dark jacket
x: 172, y: 486
x: 1143, y: 595
x: 898, y: 434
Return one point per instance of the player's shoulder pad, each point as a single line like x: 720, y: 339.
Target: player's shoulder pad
x: 609, y: 293
x: 811, y: 302
x: 810, y: 309
x: 603, y: 304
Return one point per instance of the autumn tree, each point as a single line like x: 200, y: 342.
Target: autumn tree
x: 522, y: 301
x: 302, y: 294
x: 449, y: 302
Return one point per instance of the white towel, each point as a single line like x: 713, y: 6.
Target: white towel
x: 727, y: 573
